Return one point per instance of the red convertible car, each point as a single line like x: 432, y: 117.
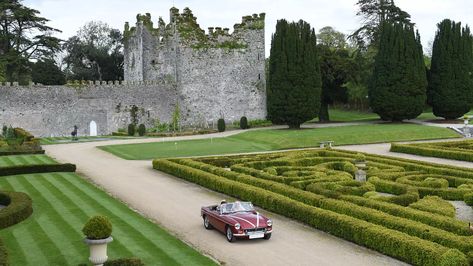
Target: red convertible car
x: 237, y: 220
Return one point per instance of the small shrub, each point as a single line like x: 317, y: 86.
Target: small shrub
x: 121, y: 130
x: 468, y: 198
x: 221, y: 125
x: 131, y: 129
x: 141, y: 130
x: 243, y: 122
x: 124, y: 262
x: 98, y: 227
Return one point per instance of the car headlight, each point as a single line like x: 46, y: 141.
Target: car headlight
x: 237, y: 226
x: 269, y: 222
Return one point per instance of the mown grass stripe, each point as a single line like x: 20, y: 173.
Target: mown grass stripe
x: 43, y: 159
x: 147, y: 247
x: 175, y: 248
x: 58, y: 230
x: 14, y: 248
x: 23, y: 160
x: 36, y: 241
x: 6, y: 161
x: 67, y: 229
x: 89, y: 206
x: 78, y: 211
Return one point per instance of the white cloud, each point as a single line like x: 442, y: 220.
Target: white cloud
x: 69, y: 15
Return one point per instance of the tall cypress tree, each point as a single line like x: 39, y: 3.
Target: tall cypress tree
x: 397, y: 88
x: 294, y: 83
x: 450, y: 79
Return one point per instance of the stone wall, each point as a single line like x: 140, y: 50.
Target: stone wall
x: 209, y: 76
x: 54, y: 110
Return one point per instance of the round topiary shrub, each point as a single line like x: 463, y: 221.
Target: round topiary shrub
x: 141, y: 130
x: 243, y: 122
x: 131, y: 129
x: 97, y: 227
x: 221, y: 125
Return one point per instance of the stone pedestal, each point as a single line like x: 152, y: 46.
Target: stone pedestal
x: 360, y: 176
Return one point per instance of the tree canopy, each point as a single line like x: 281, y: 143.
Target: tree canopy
x: 294, y: 83
x: 374, y: 13
x: 95, y: 53
x: 24, y: 35
x: 330, y: 37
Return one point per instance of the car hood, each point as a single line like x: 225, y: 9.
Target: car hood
x: 248, y: 220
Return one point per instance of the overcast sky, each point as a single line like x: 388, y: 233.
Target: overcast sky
x: 70, y: 15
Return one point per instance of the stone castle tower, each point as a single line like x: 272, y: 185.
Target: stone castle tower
x: 211, y: 75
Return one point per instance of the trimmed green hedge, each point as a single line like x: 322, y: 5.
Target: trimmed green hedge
x: 33, y: 169
x: 18, y: 207
x: 391, y: 242
x: 432, y: 152
x: 6, y: 153
x: 434, y: 205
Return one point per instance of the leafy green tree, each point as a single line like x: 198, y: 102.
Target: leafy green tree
x: 450, y: 76
x: 374, y: 13
x: 294, y: 83
x: 335, y: 67
x: 95, y: 53
x: 47, y: 72
x: 397, y: 89
x: 330, y: 37
x: 24, y: 35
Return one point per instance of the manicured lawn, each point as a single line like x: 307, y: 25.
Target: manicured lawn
x: 16, y: 160
x: 62, y: 203
x: 431, y: 116
x: 276, y: 139
x: 338, y: 115
x: 65, y: 140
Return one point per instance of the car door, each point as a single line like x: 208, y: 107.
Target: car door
x: 214, y: 219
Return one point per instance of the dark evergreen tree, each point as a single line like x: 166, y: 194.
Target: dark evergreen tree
x: 47, y: 72
x: 24, y: 35
x: 450, y: 76
x: 294, y: 83
x: 397, y: 88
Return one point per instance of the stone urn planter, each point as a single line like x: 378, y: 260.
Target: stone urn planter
x: 98, y: 250
x: 98, y: 232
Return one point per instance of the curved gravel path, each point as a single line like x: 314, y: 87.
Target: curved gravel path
x: 175, y: 204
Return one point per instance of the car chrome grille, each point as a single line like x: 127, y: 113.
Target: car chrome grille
x: 255, y: 230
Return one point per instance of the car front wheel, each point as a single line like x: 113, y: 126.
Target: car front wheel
x: 207, y: 224
x: 267, y: 236
x: 229, y: 234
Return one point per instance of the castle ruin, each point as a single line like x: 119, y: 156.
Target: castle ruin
x: 208, y: 75
x: 214, y: 75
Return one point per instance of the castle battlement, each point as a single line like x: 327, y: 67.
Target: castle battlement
x: 215, y: 73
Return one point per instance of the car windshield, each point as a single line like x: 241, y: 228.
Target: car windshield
x: 237, y: 207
